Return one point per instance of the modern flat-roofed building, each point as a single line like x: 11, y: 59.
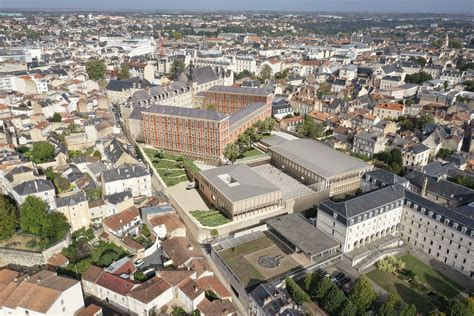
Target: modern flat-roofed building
x: 196, y: 132
x: 312, y: 162
x: 238, y: 191
x: 228, y: 99
x: 315, y: 244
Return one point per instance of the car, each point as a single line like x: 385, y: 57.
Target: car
x: 149, y: 272
x: 139, y: 262
x: 339, y: 275
x: 190, y: 185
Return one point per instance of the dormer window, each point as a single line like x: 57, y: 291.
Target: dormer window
x: 438, y: 217
x: 430, y: 214
x: 464, y: 229
x: 455, y: 225
x: 446, y: 221
x: 334, y: 215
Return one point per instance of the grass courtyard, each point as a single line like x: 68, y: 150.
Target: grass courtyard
x: 425, y: 274
x: 170, y: 167
x: 210, y: 218
x: 243, y: 260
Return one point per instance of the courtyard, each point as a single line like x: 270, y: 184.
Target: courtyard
x: 435, y: 283
x: 258, y: 259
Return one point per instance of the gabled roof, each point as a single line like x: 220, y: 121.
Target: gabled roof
x: 71, y: 200
x: 34, y: 186
x: 150, y: 290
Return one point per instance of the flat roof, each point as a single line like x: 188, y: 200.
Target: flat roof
x: 302, y: 234
x: 239, y: 182
x: 240, y: 90
x: 185, y: 112
x: 319, y: 157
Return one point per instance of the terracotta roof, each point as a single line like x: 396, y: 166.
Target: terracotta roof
x: 217, y: 307
x: 115, y: 283
x: 212, y: 283
x: 7, y: 275
x: 175, y: 277
x: 180, y: 250
x: 198, y: 265
x: 150, y: 290
x: 191, y: 289
x: 310, y: 62
x: 58, y: 260
x: 90, y: 310
x: 390, y: 106
x: 132, y: 243
x: 92, y: 274
x: 116, y: 221
x: 171, y: 222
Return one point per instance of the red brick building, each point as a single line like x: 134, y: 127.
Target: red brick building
x: 196, y: 132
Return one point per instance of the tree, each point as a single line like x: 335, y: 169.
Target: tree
x: 97, y: 154
x: 8, y: 217
x: 34, y: 216
x: 333, y: 300
x: 455, y: 43
x: 42, y: 152
x: 124, y: 72
x: 469, y: 85
x: 178, y: 311
x: 390, y: 306
x: 348, y: 309
x: 322, y: 287
x: 56, y: 117
x: 418, y: 78
x: 310, y: 128
x: 244, y: 74
x: 214, y: 233
x: 457, y: 308
x: 266, y: 72
x: 420, y: 61
x: 196, y: 312
x: 362, y: 294
x: 58, y: 226
x: 444, y: 152
x: 423, y: 120
x: 95, y: 69
x: 408, y: 310
x: 62, y: 184
x: 177, y: 67
x: 176, y: 35
x: 296, y: 292
x: 281, y: 74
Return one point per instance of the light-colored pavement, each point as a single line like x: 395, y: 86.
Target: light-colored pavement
x: 189, y: 200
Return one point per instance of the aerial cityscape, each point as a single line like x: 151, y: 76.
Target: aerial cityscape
x: 250, y: 158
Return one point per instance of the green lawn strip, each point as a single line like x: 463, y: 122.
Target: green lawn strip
x: 393, y: 285
x: 429, y: 276
x: 210, y: 218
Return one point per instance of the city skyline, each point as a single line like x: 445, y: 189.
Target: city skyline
x: 419, y: 6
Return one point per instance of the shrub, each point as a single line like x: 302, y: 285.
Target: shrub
x: 31, y: 243
x: 390, y: 264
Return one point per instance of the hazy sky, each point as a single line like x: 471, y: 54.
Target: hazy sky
x: 431, y: 6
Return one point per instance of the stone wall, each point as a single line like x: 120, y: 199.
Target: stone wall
x: 29, y: 258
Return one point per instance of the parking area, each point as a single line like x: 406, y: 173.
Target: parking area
x: 189, y: 200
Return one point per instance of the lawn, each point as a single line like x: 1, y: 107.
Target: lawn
x: 211, y: 218
x: 168, y: 168
x: 429, y: 276
x: 394, y: 285
x: 235, y: 259
x: 252, y: 153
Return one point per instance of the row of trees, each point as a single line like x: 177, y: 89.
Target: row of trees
x: 245, y: 140
x: 361, y: 300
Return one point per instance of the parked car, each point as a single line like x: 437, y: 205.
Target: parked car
x: 139, y: 263
x: 190, y: 185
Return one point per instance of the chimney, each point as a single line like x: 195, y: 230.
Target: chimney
x: 195, y: 289
x: 147, y: 89
x: 190, y: 247
x: 423, y: 188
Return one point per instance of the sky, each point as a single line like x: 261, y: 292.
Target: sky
x: 418, y: 6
